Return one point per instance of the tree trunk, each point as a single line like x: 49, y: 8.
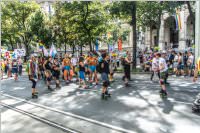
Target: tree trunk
x: 158, y: 30
x: 159, y: 23
x: 73, y: 50
x: 192, y: 16
x: 27, y: 52
x: 90, y: 46
x: 81, y: 50
x: 133, y: 23
x: 65, y: 48
x: 11, y: 43
x: 151, y: 36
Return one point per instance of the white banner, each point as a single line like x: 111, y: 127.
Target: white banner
x: 20, y: 52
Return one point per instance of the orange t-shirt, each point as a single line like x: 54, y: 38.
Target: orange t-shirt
x: 92, y: 61
x: 66, y: 62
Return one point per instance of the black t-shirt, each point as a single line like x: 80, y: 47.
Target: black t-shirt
x: 171, y: 58
x: 48, y: 65
x: 56, y: 65
x: 105, y: 69
x: 81, y: 68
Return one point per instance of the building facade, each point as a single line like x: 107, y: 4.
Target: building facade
x: 171, y: 36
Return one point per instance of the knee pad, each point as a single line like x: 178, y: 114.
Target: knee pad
x: 162, y: 82
x: 105, y: 83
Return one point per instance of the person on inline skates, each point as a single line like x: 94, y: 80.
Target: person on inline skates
x: 82, y: 80
x: 32, y: 74
x: 104, y: 75
x: 127, y: 68
x: 92, y: 62
x: 67, y: 67
x: 155, y: 67
x: 163, y: 70
x: 47, y: 69
x: 56, y: 72
x: 15, y: 69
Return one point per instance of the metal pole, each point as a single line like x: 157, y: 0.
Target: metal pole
x: 197, y: 30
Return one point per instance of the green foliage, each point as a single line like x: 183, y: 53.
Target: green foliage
x: 17, y: 14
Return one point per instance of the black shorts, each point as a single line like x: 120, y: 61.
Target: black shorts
x: 56, y: 75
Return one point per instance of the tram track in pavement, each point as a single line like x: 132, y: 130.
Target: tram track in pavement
x: 41, y: 119
x: 97, y: 124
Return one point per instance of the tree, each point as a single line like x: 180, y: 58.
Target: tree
x: 80, y: 20
x: 123, y: 10
x: 19, y: 13
x: 147, y: 16
x: 41, y: 28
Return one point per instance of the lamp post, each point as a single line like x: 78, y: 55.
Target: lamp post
x: 197, y: 30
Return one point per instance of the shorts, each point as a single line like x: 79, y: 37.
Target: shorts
x: 104, y: 76
x: 82, y: 75
x: 92, y: 68
x: 175, y: 64
x: 67, y: 68
x: 86, y: 66
x: 56, y: 74
x: 163, y: 75
x: 14, y: 70
x: 179, y: 67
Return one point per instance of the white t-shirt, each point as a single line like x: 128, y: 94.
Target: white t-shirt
x: 163, y: 63
x: 155, y: 64
x: 191, y: 59
x: 176, y: 58
x: 74, y: 61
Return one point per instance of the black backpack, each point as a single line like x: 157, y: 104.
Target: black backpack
x: 99, y: 69
x: 123, y: 62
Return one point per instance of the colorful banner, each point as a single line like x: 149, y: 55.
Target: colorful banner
x: 46, y: 53
x: 111, y: 47
x: 20, y: 52
x: 178, y: 20
x: 120, y: 44
x: 53, y: 51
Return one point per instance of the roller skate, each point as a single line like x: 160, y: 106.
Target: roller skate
x: 35, y: 95
x: 107, y: 94
x: 103, y: 96
x: 127, y: 85
x: 58, y: 86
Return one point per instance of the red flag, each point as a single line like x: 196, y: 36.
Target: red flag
x: 120, y: 44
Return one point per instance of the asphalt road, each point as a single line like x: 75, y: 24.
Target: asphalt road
x: 136, y: 109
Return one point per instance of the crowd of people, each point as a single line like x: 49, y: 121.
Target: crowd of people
x: 179, y: 63
x: 86, y: 68
x: 11, y: 67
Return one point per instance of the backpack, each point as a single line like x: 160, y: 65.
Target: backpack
x: 123, y: 62
x: 98, y: 67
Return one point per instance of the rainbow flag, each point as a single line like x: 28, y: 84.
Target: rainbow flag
x: 178, y: 20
